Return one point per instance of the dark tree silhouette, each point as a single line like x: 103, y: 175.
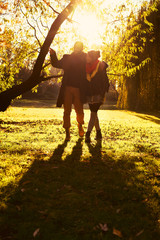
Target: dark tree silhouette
x: 8, y: 95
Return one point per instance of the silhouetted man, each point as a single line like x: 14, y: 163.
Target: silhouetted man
x: 72, y: 90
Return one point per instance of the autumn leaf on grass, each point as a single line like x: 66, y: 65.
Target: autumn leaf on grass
x: 43, y: 212
x: 117, y: 232
x: 18, y: 208
x: 24, y: 183
x: 139, y: 233
x: 36, y: 232
x: 118, y: 210
x: 103, y: 227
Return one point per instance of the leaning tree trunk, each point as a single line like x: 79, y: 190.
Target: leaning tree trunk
x: 35, y: 78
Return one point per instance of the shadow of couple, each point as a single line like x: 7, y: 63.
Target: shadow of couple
x: 75, y: 156
x: 63, y: 198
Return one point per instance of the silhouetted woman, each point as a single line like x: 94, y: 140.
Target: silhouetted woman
x: 98, y: 85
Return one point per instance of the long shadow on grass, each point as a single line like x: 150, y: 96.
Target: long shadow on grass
x: 149, y: 117
x: 95, y: 197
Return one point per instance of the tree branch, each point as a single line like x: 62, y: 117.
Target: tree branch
x: 43, y: 24
x: 69, y: 19
x: 35, y: 33
x: 38, y: 26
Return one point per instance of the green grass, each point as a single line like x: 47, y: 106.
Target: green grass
x: 77, y: 191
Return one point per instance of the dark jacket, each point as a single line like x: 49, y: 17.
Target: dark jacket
x: 74, y: 73
x: 99, y: 84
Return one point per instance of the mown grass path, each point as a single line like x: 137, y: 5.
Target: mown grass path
x: 52, y: 190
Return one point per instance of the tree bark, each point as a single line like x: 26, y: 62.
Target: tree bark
x: 7, y: 96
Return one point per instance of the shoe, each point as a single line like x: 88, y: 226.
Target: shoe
x: 81, y: 131
x: 87, y: 137
x: 67, y: 135
x: 98, y: 135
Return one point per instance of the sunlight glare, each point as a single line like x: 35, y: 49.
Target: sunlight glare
x: 90, y: 28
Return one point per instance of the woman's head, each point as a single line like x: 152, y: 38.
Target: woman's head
x: 92, y: 56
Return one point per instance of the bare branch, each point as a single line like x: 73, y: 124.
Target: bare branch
x: 51, y: 7
x: 69, y: 19
x: 47, y: 64
x: 35, y: 32
x: 43, y: 24
x: 38, y: 26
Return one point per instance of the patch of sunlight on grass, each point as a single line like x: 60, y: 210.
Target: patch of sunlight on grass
x: 85, y: 152
x: 9, y: 179
x: 24, y: 114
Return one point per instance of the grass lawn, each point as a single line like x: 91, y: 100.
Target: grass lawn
x: 53, y: 190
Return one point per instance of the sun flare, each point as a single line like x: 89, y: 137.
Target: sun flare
x: 91, y: 25
x: 90, y: 28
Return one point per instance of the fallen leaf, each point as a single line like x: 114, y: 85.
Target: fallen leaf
x: 139, y: 233
x: 43, y: 212
x: 117, y: 232
x: 145, y: 200
x: 36, y: 232
x: 103, y: 227
x: 26, y: 182
x: 118, y: 210
x: 18, y: 207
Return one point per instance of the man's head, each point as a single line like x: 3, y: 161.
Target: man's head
x: 78, y: 47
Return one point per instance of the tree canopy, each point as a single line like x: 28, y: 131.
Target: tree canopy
x: 113, y: 29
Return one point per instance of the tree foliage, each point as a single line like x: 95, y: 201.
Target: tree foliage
x: 36, y: 77
x: 22, y: 37
x: 132, y: 57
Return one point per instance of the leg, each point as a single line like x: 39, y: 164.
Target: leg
x: 93, y: 117
x: 78, y: 105
x: 91, y: 123
x: 95, y: 108
x: 68, y: 98
x: 94, y: 121
x: 97, y: 126
x: 79, y: 111
x: 90, y: 126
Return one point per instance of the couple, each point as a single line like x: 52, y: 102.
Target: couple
x: 84, y: 80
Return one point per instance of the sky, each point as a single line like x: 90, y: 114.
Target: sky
x: 91, y: 28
